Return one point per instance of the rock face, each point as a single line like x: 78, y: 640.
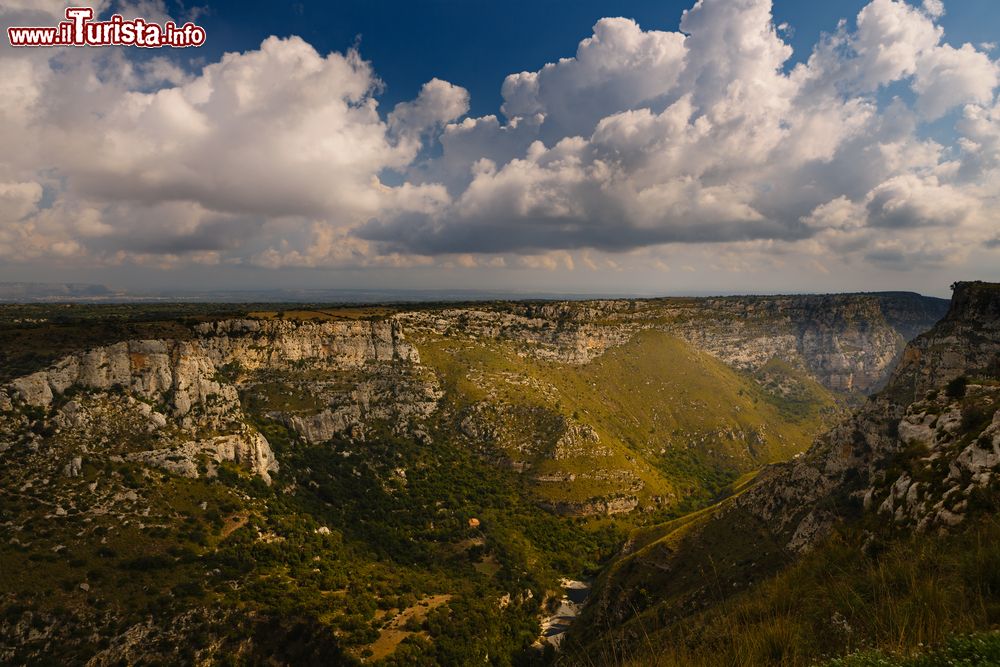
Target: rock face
x: 184, y: 387
x: 163, y: 383
x: 595, y: 507
x: 948, y: 432
x: 914, y: 457
x: 387, y: 393
x: 280, y: 344
x: 964, y: 342
x: 566, y: 333
x: 188, y: 370
x: 181, y: 373
x: 849, y: 342
x: 249, y: 449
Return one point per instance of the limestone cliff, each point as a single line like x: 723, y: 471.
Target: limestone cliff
x: 184, y: 393
x: 917, y: 456
x: 281, y: 344
x: 347, y: 377
x: 849, y: 342
x: 942, y: 430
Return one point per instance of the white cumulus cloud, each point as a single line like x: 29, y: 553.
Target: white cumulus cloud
x: 704, y: 138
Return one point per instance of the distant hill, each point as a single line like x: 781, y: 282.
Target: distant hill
x: 30, y: 292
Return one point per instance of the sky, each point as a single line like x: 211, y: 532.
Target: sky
x: 634, y: 147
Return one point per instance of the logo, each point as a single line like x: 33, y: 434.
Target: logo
x: 79, y: 29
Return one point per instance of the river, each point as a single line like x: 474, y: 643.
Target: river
x: 574, y: 597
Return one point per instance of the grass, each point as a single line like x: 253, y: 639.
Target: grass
x: 284, y: 396
x: 921, y: 591
x: 401, y: 624
x: 673, y: 421
x: 796, y: 395
x: 972, y: 650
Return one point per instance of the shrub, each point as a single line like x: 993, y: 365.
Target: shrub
x: 975, y: 418
x: 144, y: 563
x: 956, y: 388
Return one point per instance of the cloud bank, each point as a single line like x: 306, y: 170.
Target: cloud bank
x: 642, y: 140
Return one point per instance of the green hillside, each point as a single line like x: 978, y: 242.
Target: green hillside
x: 878, y: 547
x: 665, y: 422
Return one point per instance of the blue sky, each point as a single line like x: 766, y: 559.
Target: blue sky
x: 575, y: 146
x: 476, y: 44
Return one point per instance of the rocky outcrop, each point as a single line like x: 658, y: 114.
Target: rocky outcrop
x: 188, y: 385
x: 579, y: 440
x: 849, y: 342
x: 956, y: 455
x: 281, y: 344
x: 543, y: 333
x: 964, y: 342
x: 249, y: 449
x: 594, y: 506
x: 386, y: 395
x: 187, y: 371
x: 949, y: 432
x: 179, y: 374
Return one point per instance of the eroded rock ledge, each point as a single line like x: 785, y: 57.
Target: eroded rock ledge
x: 179, y: 393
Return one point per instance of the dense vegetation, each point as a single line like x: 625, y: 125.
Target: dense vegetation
x: 441, y: 545
x: 339, y: 545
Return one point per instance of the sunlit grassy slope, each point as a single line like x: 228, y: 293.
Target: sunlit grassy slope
x: 667, y: 417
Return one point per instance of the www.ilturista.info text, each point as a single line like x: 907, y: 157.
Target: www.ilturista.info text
x: 80, y: 30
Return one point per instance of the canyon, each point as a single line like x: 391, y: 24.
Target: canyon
x: 433, y: 451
